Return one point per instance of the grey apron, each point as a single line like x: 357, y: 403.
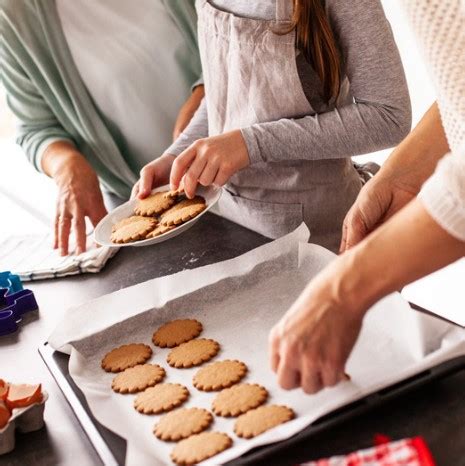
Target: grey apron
x: 251, y: 77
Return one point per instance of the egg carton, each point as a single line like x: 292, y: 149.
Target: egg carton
x: 28, y: 419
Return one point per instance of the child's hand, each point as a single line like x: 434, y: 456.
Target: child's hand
x: 210, y: 161
x: 155, y: 173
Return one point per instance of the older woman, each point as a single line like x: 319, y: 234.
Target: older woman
x: 97, y: 87
x: 310, y: 345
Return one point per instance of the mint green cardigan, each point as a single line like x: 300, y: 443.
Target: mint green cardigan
x: 47, y: 95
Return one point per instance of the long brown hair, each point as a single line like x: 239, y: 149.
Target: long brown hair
x: 316, y: 40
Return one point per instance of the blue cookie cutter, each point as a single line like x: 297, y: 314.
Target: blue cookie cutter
x: 10, y: 281
x: 14, y: 302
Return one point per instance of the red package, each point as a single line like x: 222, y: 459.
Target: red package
x: 407, y: 452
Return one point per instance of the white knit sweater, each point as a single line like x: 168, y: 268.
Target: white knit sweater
x: 440, y: 28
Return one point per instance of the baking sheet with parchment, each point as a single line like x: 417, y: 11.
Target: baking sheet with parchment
x: 238, y: 301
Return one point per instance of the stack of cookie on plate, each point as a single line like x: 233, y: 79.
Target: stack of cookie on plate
x: 157, y: 214
x: 245, y: 401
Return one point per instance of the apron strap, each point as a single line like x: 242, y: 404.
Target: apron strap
x: 284, y: 10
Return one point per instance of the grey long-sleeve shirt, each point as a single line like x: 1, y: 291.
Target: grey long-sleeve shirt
x: 377, y: 114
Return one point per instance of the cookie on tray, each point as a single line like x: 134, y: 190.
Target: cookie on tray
x: 182, y: 423
x: 239, y: 399
x: 132, y: 229
x: 160, y: 398
x: 176, y: 332
x: 259, y: 420
x: 193, y: 353
x: 125, y: 356
x: 219, y: 375
x: 200, y: 447
x: 183, y: 211
x: 138, y: 378
x: 154, y: 204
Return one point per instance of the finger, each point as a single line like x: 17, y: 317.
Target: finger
x: 191, y: 178
x: 97, y: 214
x: 356, y: 230
x: 64, y: 231
x: 147, y: 178
x: 56, y: 229
x: 208, y: 174
x: 343, y: 245
x: 221, y: 178
x: 79, y: 227
x: 311, y: 379
x: 288, y: 375
x: 181, y: 164
x: 330, y: 376
x: 273, y: 350
x: 135, y: 191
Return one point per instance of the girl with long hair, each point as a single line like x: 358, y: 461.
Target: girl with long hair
x: 294, y: 89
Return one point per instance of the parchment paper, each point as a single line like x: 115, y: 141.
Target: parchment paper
x: 238, y: 301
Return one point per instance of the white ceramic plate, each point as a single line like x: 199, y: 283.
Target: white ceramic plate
x: 102, y: 232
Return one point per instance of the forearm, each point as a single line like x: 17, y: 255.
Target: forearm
x: 188, y: 110
x: 58, y: 155
x: 416, y: 158
x: 407, y: 247
x: 351, y: 130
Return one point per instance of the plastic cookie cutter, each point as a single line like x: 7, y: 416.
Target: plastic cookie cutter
x: 10, y: 281
x: 12, y: 308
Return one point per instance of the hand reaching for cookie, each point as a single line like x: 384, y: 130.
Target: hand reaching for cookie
x: 210, y: 161
x: 155, y: 173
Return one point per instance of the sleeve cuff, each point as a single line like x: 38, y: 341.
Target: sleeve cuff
x: 253, y: 148
x: 43, y: 147
x: 199, y: 82
x: 443, y: 205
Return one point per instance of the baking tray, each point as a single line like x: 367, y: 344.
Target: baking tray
x: 111, y: 448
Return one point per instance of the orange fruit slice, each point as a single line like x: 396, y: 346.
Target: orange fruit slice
x: 5, y: 414
x: 3, y: 389
x: 22, y: 395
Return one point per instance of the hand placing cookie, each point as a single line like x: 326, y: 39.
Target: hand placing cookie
x: 156, y: 215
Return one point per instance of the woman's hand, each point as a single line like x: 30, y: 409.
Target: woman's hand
x: 154, y: 174
x: 187, y: 110
x: 310, y: 345
x: 210, y: 161
x: 79, y: 195
x: 381, y: 198
x: 399, y: 180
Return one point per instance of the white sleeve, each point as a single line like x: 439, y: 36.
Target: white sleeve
x: 443, y: 195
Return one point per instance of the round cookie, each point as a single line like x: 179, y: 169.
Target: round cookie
x: 132, y: 229
x: 125, y: 221
x: 200, y: 447
x: 239, y: 399
x: 193, y: 353
x: 183, y: 211
x: 159, y: 230
x: 125, y: 356
x: 138, y: 378
x: 176, y: 332
x: 160, y: 398
x: 260, y: 420
x: 219, y: 375
x: 182, y: 423
x: 175, y: 193
x: 154, y: 204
